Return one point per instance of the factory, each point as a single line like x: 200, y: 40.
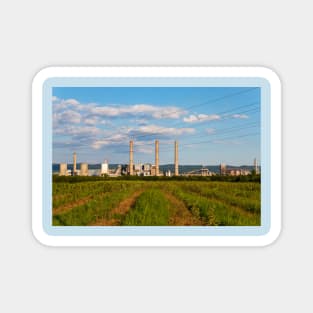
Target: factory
x: 145, y: 169
x: 131, y: 169
x: 224, y: 171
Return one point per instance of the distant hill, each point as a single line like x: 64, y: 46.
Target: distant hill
x: 165, y: 167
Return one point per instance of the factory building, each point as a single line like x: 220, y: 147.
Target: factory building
x: 168, y: 173
x: 104, y: 168
x: 238, y: 172
x: 83, y: 169
x: 63, y: 169
x: 223, y: 169
x: 137, y: 169
x: 153, y: 170
x: 204, y: 172
x: 94, y: 172
x: 147, y: 169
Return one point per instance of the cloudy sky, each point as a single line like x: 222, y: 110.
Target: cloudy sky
x: 212, y: 125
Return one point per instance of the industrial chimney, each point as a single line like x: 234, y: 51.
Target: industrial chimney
x: 256, y: 168
x: 74, y: 164
x: 131, y: 158
x: 157, y: 158
x: 176, y: 158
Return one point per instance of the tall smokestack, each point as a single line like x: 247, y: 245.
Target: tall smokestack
x: 157, y: 158
x: 176, y: 158
x: 131, y: 158
x: 74, y: 164
x: 256, y: 166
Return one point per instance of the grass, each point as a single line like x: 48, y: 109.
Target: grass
x: 151, y: 208
x: 99, y: 206
x: 209, y: 203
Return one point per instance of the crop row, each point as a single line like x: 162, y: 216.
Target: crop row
x: 98, y: 207
x: 212, y: 211
x: 151, y: 209
x: 65, y: 193
x: 210, y: 203
x: 244, y: 195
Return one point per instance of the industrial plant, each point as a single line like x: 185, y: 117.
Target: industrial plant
x: 147, y: 169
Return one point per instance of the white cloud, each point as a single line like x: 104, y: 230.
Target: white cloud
x: 190, y: 119
x: 139, y: 109
x: 159, y: 130
x: 67, y: 117
x: 113, y: 139
x: 201, y: 118
x: 94, y: 120
x: 78, y: 131
x: 91, y: 121
x: 72, y: 102
x: 243, y: 116
x: 168, y: 112
x: 97, y: 144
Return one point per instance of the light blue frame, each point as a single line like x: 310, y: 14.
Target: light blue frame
x: 156, y: 230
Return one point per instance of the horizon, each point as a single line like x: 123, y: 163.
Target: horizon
x: 163, y: 164
x: 213, y: 125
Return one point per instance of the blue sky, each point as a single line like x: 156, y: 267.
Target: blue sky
x: 212, y: 125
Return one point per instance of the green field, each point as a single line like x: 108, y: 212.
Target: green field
x: 147, y: 202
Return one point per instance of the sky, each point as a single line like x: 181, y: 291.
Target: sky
x: 212, y: 125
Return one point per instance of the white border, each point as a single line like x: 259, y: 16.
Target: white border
x: 234, y: 72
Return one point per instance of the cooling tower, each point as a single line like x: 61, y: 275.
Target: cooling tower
x: 84, y: 169
x: 63, y: 169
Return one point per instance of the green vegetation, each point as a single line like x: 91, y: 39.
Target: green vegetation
x: 76, y: 179
x: 151, y: 208
x: 104, y: 201
x: 84, y: 203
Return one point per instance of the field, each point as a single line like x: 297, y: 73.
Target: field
x: 153, y: 203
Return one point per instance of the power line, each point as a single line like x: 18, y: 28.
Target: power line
x: 201, y: 104
x: 221, y: 131
x: 193, y: 143
x: 213, y: 140
x: 161, y: 131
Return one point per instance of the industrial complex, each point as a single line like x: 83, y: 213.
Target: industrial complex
x: 146, y: 169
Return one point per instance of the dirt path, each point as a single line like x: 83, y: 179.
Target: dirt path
x: 123, y: 207
x: 180, y: 215
x: 69, y: 206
